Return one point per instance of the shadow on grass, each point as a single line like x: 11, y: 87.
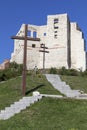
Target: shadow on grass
x: 33, y: 89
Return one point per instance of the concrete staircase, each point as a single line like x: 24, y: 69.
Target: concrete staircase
x: 17, y: 107
x: 62, y: 86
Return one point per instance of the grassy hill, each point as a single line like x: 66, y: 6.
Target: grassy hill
x: 11, y: 90
x: 48, y: 113
x: 76, y: 82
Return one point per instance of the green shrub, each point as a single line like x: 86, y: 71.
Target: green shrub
x: 83, y: 73
x: 70, y: 72
x: 3, y: 77
x: 13, y: 71
x: 16, y: 67
x: 63, y: 71
x: 73, y: 72
x: 53, y: 70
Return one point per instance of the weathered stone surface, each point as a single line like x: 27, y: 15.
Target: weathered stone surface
x: 64, y: 40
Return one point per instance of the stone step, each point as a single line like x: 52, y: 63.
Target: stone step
x: 17, y: 107
x: 72, y: 94
x: 83, y: 95
x: 58, y: 83
x: 62, y: 86
x: 53, y: 96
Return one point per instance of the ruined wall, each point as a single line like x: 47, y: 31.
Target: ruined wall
x: 57, y: 41
x: 64, y: 40
x: 78, y: 54
x: 33, y: 54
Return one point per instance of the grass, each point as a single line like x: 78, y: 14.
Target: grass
x: 11, y: 90
x: 48, y: 113
x: 76, y: 82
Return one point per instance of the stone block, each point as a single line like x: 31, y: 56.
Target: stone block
x: 36, y: 93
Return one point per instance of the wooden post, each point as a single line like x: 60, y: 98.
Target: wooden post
x: 24, y: 63
x: 25, y: 38
x: 44, y: 51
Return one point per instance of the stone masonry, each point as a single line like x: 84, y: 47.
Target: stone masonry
x: 64, y: 39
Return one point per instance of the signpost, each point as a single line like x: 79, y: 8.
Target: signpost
x: 25, y: 38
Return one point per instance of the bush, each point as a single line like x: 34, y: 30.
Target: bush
x: 73, y: 72
x: 16, y: 67
x: 63, y: 71
x: 83, y: 73
x: 53, y: 70
x: 13, y: 71
x: 3, y: 77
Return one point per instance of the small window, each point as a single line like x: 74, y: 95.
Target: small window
x: 56, y: 20
x: 18, y: 33
x: 55, y: 36
x: 42, y: 45
x: 55, y: 31
x: 21, y: 31
x: 33, y: 45
x: 55, y: 27
x: 34, y: 34
x: 29, y: 33
x: 44, y: 34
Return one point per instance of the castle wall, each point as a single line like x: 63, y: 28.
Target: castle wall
x: 33, y: 54
x: 64, y: 40
x: 78, y: 54
x: 57, y: 41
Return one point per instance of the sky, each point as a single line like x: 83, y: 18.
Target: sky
x: 14, y: 13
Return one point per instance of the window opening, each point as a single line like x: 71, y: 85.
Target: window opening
x: 55, y: 32
x: 34, y: 34
x: 33, y: 45
x: 55, y: 27
x: 29, y: 33
x: 55, y: 36
x: 44, y: 34
x: 56, y: 21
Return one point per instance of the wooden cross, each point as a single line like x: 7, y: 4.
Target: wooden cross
x: 44, y: 51
x: 25, y: 38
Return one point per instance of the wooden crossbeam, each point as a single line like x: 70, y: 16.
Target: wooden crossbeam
x: 44, y: 51
x: 25, y: 38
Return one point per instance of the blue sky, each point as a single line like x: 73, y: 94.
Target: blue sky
x: 13, y: 13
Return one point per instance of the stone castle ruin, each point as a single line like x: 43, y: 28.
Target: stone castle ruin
x: 64, y: 39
